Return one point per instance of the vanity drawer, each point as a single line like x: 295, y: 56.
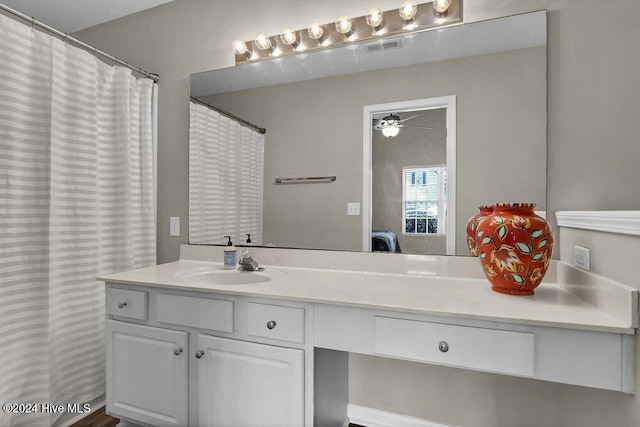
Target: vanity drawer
x: 461, y: 346
x: 125, y: 303
x: 277, y: 322
x: 205, y: 313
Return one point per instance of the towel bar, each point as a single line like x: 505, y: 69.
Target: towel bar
x: 303, y: 180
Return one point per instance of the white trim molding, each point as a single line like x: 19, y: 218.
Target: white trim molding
x: 371, y: 417
x: 620, y: 222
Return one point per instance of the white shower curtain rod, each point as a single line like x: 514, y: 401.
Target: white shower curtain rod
x: 243, y: 122
x: 73, y: 40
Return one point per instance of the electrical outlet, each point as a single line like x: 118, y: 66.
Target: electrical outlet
x: 174, y: 226
x: 582, y: 257
x: 353, y: 209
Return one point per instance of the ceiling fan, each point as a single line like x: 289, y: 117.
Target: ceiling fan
x: 390, y: 125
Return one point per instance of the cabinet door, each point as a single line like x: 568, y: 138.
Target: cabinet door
x: 247, y: 384
x: 147, y: 374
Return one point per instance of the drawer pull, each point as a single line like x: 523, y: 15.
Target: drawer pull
x: 122, y: 304
x: 271, y: 324
x: 443, y: 346
x: 177, y: 351
x: 199, y: 354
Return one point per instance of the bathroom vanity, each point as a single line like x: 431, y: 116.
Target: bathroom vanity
x: 190, y: 343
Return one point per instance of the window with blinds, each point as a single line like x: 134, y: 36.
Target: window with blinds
x: 424, y: 200
x: 226, y: 162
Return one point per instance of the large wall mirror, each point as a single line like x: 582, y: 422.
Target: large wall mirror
x: 323, y: 114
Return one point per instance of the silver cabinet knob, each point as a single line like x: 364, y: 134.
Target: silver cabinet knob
x: 199, y: 354
x: 177, y: 351
x: 122, y: 304
x: 271, y: 324
x: 443, y: 346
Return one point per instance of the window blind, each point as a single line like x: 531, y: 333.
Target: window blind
x: 424, y: 199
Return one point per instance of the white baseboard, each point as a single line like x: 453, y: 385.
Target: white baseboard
x: 621, y: 222
x: 371, y: 417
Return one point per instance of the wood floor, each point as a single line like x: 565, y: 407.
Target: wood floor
x: 97, y: 419
x: 101, y: 419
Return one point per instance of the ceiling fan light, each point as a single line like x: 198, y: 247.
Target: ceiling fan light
x: 391, y: 131
x: 391, y: 120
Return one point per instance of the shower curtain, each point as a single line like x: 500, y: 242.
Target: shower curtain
x: 76, y: 201
x: 226, y: 164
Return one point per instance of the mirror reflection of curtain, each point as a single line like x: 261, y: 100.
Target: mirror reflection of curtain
x: 226, y: 162
x: 76, y: 202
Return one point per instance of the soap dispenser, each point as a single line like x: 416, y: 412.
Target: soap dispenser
x: 230, y: 254
x: 248, y: 239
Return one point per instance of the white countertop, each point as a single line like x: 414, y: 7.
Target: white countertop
x: 440, y: 295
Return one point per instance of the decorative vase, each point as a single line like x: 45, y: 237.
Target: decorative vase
x: 515, y: 246
x: 472, y: 225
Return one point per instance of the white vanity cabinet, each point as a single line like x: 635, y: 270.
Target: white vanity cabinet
x: 178, y: 359
x: 586, y: 358
x: 247, y: 384
x: 276, y: 352
x: 147, y: 374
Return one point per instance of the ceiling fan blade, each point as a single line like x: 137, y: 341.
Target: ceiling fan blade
x: 415, y: 126
x: 408, y: 118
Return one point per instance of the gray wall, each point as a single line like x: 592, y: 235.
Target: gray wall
x: 314, y: 128
x: 591, y: 165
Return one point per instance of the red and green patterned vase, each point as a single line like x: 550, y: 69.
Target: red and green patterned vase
x: 472, y: 225
x: 515, y: 246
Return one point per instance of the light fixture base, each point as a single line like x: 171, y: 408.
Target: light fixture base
x: 426, y: 18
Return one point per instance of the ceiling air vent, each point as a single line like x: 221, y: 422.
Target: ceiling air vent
x: 379, y: 47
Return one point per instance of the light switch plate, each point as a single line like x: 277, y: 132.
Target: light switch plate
x: 353, y: 209
x: 174, y: 226
x: 582, y: 257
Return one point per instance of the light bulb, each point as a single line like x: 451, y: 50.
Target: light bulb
x: 240, y: 47
x: 408, y: 10
x: 441, y: 6
x: 315, y: 31
x: 344, y: 25
x: 263, y: 42
x: 289, y: 37
x: 374, y: 18
x: 391, y: 131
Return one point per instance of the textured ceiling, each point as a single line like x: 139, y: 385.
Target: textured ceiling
x: 70, y: 16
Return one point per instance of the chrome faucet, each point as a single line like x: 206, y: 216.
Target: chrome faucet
x: 247, y: 263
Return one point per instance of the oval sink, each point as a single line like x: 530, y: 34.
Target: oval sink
x: 222, y: 276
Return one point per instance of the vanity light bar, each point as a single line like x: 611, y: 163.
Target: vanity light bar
x: 409, y: 18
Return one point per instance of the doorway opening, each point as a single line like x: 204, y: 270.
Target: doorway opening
x: 425, y: 204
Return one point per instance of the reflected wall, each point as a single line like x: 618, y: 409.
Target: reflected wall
x: 314, y: 128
